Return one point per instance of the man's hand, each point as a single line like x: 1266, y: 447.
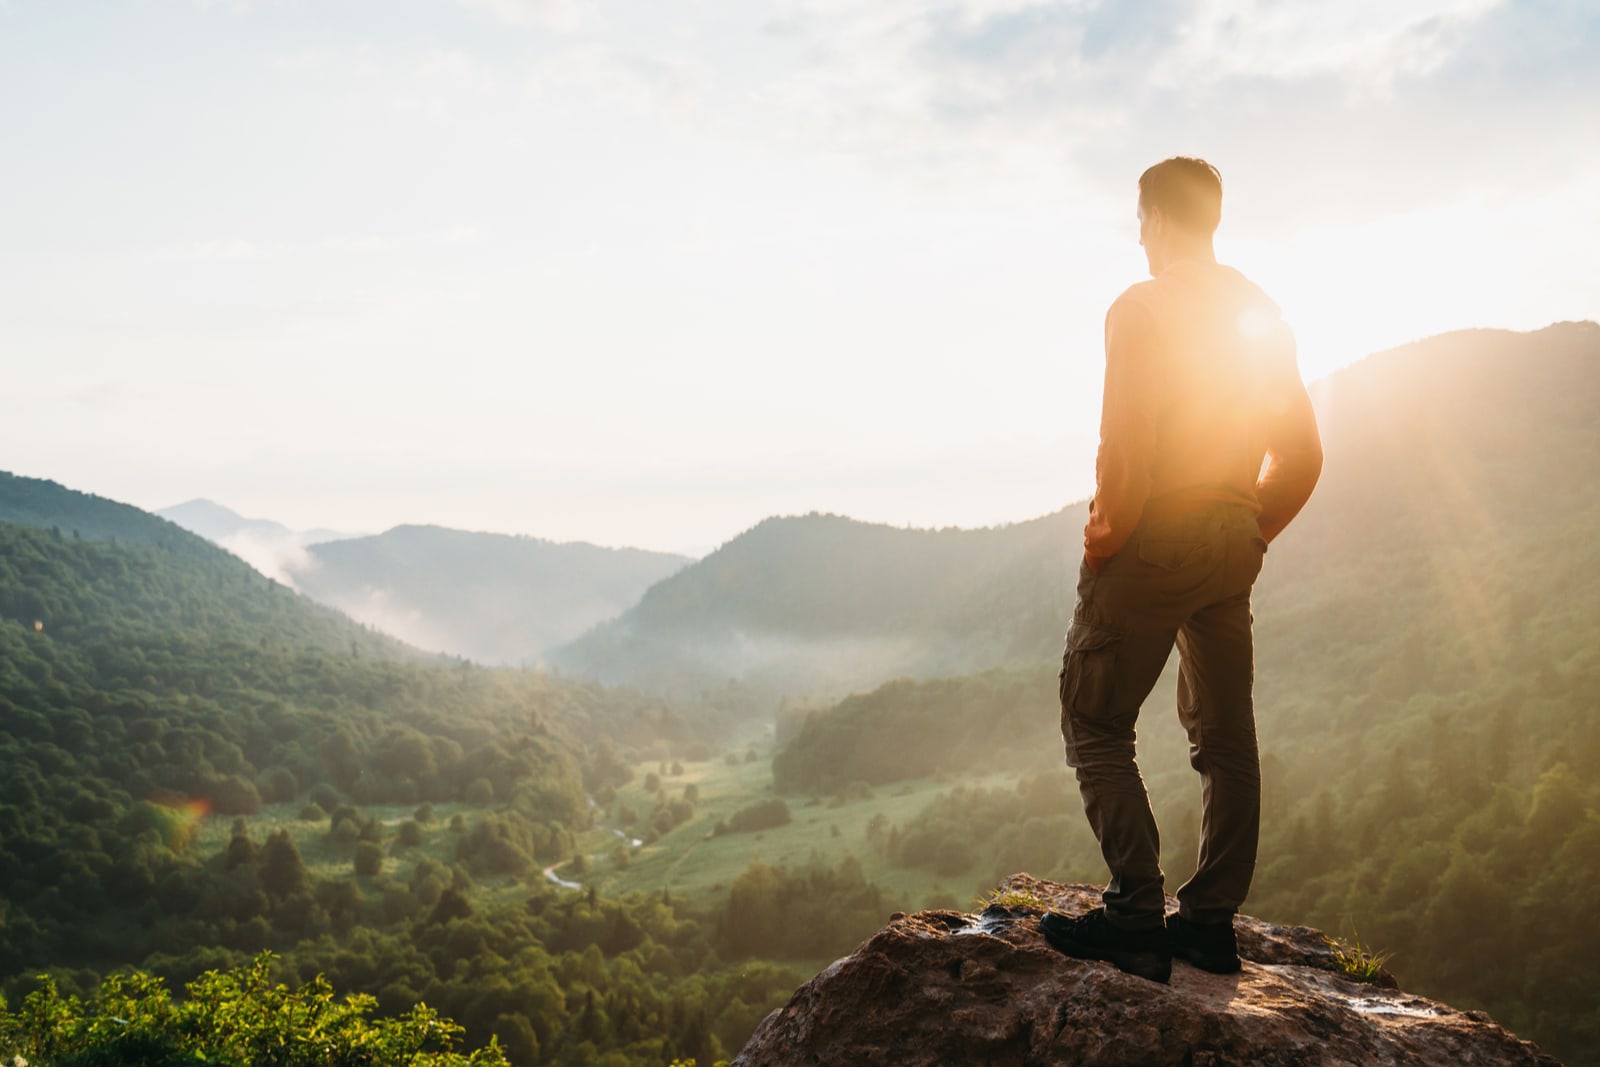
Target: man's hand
x: 1096, y: 563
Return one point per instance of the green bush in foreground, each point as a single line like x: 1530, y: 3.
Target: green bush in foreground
x: 234, y: 1017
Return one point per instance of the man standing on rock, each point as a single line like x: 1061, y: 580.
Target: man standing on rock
x: 1208, y: 448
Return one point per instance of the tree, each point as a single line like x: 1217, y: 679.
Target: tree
x: 368, y: 859
x: 282, y: 871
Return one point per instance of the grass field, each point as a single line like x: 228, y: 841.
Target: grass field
x: 690, y: 861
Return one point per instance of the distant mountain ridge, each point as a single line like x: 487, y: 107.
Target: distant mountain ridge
x: 1449, y: 454
x: 268, y: 546
x: 496, y: 598
x: 219, y: 523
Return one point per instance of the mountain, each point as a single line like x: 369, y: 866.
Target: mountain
x: 494, y: 598
x: 825, y: 604
x: 216, y: 523
x: 1452, y: 464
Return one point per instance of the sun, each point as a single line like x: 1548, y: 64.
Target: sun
x: 1353, y: 290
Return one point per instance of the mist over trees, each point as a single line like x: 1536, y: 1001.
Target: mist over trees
x: 490, y: 597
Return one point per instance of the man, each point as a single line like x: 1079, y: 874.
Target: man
x: 1201, y: 387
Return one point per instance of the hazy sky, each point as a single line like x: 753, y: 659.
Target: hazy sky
x: 646, y: 272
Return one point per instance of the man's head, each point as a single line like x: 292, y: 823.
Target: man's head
x: 1180, y: 204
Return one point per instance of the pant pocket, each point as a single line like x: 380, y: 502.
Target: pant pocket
x: 1088, y: 678
x: 1170, y: 555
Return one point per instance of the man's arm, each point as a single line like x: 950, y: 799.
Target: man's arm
x: 1294, y: 453
x: 1127, y: 430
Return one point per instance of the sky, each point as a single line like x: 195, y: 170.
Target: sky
x: 644, y: 272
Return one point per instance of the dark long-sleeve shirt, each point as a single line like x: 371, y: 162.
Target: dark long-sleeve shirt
x: 1203, y: 405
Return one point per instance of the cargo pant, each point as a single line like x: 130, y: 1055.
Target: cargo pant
x: 1187, y: 581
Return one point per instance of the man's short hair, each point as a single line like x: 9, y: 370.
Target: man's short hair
x: 1186, y: 190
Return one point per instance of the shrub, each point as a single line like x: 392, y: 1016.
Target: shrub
x: 234, y: 1017
x: 760, y: 816
x: 369, y: 858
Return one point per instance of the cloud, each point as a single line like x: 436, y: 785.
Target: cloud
x: 537, y: 14
x: 378, y: 244
x: 277, y: 557
x: 605, y: 79
x: 1369, y: 44
x: 229, y: 249
x: 1394, y: 104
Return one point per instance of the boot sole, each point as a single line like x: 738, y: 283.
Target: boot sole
x: 1216, y: 963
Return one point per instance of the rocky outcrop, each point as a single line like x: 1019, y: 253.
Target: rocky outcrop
x: 944, y: 987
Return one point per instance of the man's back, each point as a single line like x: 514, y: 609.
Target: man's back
x: 1201, y: 385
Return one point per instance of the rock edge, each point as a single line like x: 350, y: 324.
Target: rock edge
x: 945, y: 987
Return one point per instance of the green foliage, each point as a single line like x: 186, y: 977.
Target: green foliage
x: 368, y: 859
x: 1357, y: 961
x: 805, y: 913
x: 1013, y: 899
x: 1036, y: 826
x: 761, y: 816
x: 239, y: 1016
x: 911, y: 730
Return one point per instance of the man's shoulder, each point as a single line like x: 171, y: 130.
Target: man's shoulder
x: 1139, y: 297
x: 1139, y: 292
x: 1252, y: 292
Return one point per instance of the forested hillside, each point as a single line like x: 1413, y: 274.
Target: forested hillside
x: 390, y: 817
x: 83, y: 568
x: 490, y: 597
x: 39, y: 502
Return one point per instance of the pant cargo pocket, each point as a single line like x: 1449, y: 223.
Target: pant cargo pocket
x: 1088, y: 678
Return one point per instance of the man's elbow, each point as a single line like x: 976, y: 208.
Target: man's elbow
x: 1305, y: 458
x: 1313, y: 459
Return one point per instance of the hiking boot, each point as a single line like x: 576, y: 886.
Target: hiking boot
x: 1211, y: 947
x: 1093, y: 937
